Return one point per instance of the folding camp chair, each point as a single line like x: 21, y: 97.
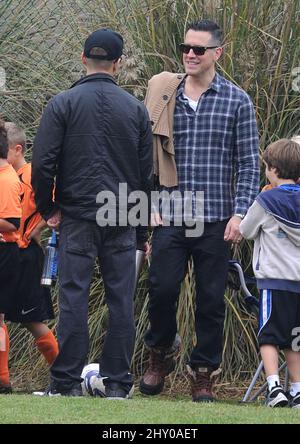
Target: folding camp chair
x: 252, y: 305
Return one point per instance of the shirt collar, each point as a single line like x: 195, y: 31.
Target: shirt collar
x: 215, y: 85
x: 180, y: 88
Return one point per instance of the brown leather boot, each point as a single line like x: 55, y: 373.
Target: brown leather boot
x: 161, y: 364
x: 201, y: 381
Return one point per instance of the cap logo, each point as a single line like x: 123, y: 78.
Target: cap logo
x: 98, y: 52
x: 104, y: 44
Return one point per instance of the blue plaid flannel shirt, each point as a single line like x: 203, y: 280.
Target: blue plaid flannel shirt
x: 216, y: 152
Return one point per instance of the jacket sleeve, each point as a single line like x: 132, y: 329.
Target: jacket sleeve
x: 146, y: 154
x: 253, y: 221
x: 46, y: 150
x: 146, y: 166
x: 246, y: 156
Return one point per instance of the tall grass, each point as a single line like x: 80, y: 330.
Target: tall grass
x: 40, y: 46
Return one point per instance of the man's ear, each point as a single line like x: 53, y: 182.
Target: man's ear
x: 117, y: 65
x: 218, y: 53
x: 83, y: 59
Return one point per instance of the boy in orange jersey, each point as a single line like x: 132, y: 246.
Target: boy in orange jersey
x: 32, y: 303
x: 10, y: 214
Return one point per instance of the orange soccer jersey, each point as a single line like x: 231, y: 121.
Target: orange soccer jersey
x: 30, y: 217
x: 267, y: 187
x: 10, y: 192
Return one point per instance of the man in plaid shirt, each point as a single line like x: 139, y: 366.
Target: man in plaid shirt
x: 206, y: 153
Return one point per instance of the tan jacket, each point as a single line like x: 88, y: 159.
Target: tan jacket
x: 160, y: 101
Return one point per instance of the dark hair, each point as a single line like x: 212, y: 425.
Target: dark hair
x: 284, y: 156
x: 208, y: 26
x: 3, y: 140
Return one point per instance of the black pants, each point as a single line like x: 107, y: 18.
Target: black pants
x: 80, y: 243
x: 171, y: 251
x: 9, y: 274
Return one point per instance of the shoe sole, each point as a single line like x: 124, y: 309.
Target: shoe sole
x: 46, y: 394
x: 151, y: 390
x: 296, y: 406
x: 208, y: 399
x: 279, y: 401
x: 56, y: 395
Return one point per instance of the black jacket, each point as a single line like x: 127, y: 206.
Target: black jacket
x: 91, y: 138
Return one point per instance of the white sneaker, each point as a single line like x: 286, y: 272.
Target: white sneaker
x: 276, y: 397
x: 46, y: 393
x: 75, y: 391
x: 294, y: 401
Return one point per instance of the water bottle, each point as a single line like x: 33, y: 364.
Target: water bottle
x: 49, y: 274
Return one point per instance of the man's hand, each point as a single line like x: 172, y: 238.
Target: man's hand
x: 145, y: 247
x: 147, y: 250
x: 156, y: 220
x: 232, y: 232
x: 54, y: 221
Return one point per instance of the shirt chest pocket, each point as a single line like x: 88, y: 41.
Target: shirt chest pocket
x: 222, y: 123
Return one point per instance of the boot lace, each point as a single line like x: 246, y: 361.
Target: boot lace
x: 158, y: 362
x: 202, y: 381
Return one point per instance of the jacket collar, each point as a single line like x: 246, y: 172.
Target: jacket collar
x: 166, y: 94
x: 94, y: 77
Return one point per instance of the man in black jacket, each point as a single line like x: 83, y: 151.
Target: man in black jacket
x: 92, y: 138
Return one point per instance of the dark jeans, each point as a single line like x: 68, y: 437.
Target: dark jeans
x: 80, y: 243
x: 171, y: 251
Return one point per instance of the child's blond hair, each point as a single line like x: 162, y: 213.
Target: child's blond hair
x: 15, y: 135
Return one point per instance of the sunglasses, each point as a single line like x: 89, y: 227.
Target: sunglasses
x: 197, y: 50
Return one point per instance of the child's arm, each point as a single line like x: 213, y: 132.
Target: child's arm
x: 36, y: 232
x: 7, y: 227
x: 251, y: 224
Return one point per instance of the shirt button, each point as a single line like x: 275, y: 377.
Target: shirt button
x: 165, y: 97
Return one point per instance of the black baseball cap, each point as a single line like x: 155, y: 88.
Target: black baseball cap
x: 110, y: 41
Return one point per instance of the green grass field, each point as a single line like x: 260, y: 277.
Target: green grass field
x: 27, y: 409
